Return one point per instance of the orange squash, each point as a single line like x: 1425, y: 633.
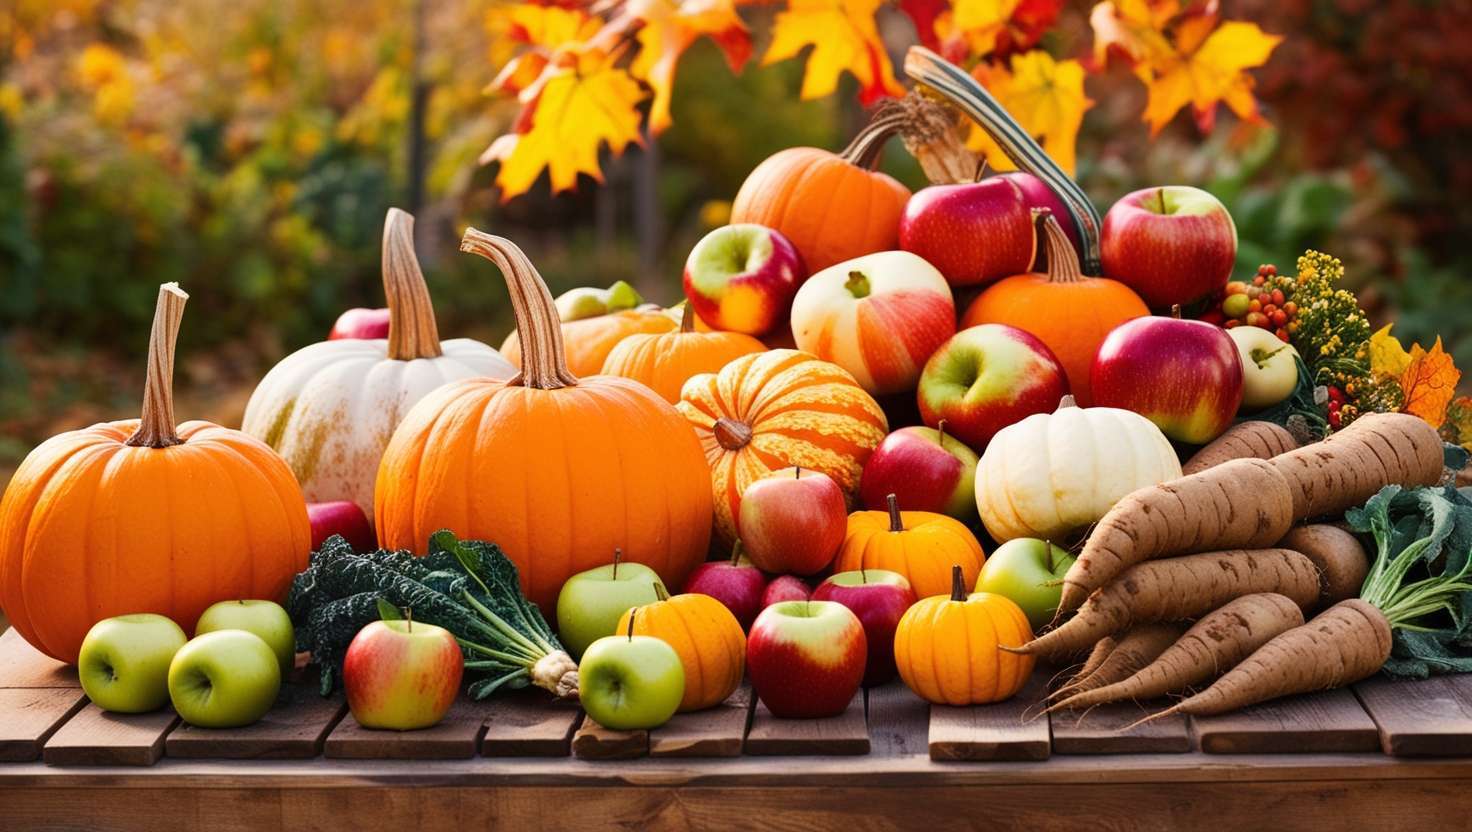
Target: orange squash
x: 587, y: 341
x: 920, y: 545
x: 779, y: 409
x: 665, y: 361
x: 1069, y: 312
x: 706, y: 636
x: 555, y: 469
x: 948, y: 649
x: 140, y: 516
x: 832, y: 206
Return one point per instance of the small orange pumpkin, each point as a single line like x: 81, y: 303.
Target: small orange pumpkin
x: 665, y: 361
x: 832, y: 206
x: 706, y: 636
x: 587, y: 342
x: 140, y: 516
x: 779, y: 409
x: 948, y: 649
x: 1069, y: 312
x: 555, y: 469
x: 920, y: 545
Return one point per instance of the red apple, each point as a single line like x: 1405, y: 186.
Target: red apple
x: 736, y: 583
x: 785, y: 588
x: 401, y: 675
x: 1172, y: 245
x: 879, y: 316
x: 926, y: 469
x: 879, y: 599
x: 975, y: 232
x: 360, y: 323
x: 986, y: 378
x: 806, y: 658
x: 342, y: 517
x: 1185, y: 376
x: 1037, y: 194
x: 742, y: 278
x: 793, y: 521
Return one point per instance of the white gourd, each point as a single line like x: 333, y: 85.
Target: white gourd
x: 1053, y: 474
x: 330, y: 408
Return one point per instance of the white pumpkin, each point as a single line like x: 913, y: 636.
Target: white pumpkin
x: 1053, y: 474
x: 330, y: 408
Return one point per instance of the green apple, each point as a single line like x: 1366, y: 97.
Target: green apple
x: 124, y: 662
x: 224, y: 679
x: 264, y: 618
x: 630, y: 682
x: 591, y: 603
x: 1269, y: 367
x: 1030, y: 572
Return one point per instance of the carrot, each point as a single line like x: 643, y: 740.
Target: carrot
x: 1350, y: 467
x: 1217, y: 642
x: 1173, y: 589
x: 1243, y: 503
x: 1245, y: 440
x: 1134, y: 650
x: 1344, y: 644
x: 1341, y: 560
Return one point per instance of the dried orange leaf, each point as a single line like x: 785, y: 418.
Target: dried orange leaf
x: 1429, y: 383
x: 1206, y: 70
x: 844, y: 38
x: 666, y: 30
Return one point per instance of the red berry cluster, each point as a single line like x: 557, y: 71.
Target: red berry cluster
x: 1265, y: 302
x: 1336, y: 406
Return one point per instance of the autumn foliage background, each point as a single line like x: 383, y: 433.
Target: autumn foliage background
x: 248, y: 149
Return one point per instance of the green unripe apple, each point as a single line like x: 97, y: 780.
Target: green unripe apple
x: 591, y: 603
x: 1029, y: 572
x: 630, y: 682
x: 124, y: 662
x: 224, y: 679
x: 264, y: 618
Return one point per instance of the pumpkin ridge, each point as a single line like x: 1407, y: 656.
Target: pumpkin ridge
x: 88, y: 471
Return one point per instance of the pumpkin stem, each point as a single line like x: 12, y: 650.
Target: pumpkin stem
x: 633, y: 611
x: 731, y: 433
x: 618, y: 555
x: 1175, y: 311
x: 412, y: 332
x: 1052, y: 240
x: 543, y: 362
x: 1067, y: 401
x: 896, y: 522
x: 930, y: 135
x: 958, y: 583
x: 156, y: 428
x: 660, y: 593
x: 866, y: 148
x: 687, y: 318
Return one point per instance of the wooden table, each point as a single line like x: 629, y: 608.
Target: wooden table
x: 1385, y: 755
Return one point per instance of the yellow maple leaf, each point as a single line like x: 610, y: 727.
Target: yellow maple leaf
x: 545, y: 28
x: 666, y: 30
x: 844, y: 38
x: 1134, y: 27
x: 1387, y: 357
x: 1429, y: 382
x: 1207, y: 65
x: 1047, y: 98
x: 979, y: 22
x: 581, y: 101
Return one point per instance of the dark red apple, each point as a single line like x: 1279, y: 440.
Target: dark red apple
x: 785, y: 588
x: 360, y: 323
x: 975, y: 232
x: 806, y: 658
x: 793, y: 521
x: 736, y: 583
x: 1172, y: 245
x: 986, y: 378
x: 1037, y: 194
x: 879, y: 598
x: 1185, y: 376
x: 341, y: 517
x: 926, y: 469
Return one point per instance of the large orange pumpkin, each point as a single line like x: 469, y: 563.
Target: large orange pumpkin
x: 555, y: 469
x: 832, y: 206
x: 948, y: 649
x: 139, y: 516
x: 921, y: 545
x: 587, y: 341
x: 779, y: 409
x: 1069, y: 312
x: 665, y: 361
x: 706, y: 636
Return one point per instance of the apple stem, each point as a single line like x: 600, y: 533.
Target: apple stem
x: 896, y: 522
x: 797, y: 472
x: 543, y: 360
x: 687, y: 318
x: 1175, y: 311
x: 409, y: 619
x: 940, y: 428
x: 156, y: 427
x: 958, y: 583
x: 731, y: 434
x: 1052, y: 240
x: 981, y: 170
x: 618, y: 555
x: 412, y: 332
x: 1048, y: 552
x: 660, y: 593
x: 633, y: 611
x: 736, y: 549
x: 857, y: 284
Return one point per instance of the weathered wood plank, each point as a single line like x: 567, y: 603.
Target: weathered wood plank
x: 713, y: 732
x: 1102, y: 731
x: 529, y: 723
x: 1001, y: 731
x: 94, y: 737
x: 23, y: 666
x: 457, y: 736
x: 1421, y: 718
x: 1322, y: 722
x: 294, y: 729
x: 595, y: 742
x: 28, y: 717
x: 899, y: 721
x: 847, y: 733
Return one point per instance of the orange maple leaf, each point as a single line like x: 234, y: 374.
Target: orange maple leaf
x: 1429, y: 383
x: 844, y: 38
x: 1047, y: 98
x: 546, y: 29
x: 978, y: 28
x: 666, y: 29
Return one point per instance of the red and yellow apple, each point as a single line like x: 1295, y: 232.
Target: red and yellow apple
x: 973, y: 232
x: 793, y: 521
x: 401, y: 675
x: 1037, y: 194
x: 1172, y: 245
x: 742, y: 278
x: 1185, y: 376
x: 986, y: 378
x: 879, y: 316
x: 806, y: 658
x: 879, y: 598
x: 925, y: 469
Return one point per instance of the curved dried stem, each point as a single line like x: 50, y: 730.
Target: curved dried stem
x: 156, y: 429
x: 543, y: 362
x: 412, y: 332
